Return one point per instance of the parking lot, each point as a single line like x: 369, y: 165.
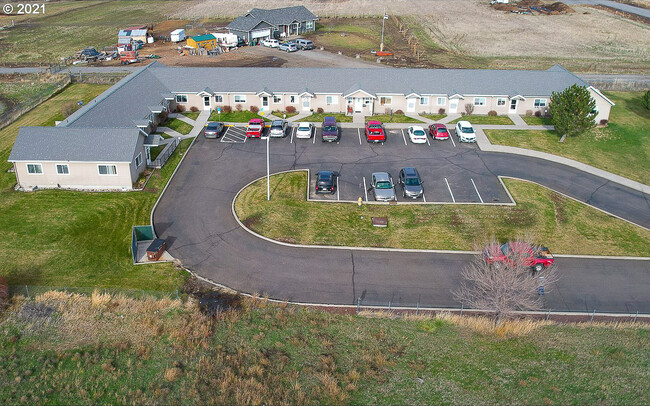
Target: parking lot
x: 450, y: 172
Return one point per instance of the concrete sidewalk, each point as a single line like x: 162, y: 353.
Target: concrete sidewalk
x: 182, y: 118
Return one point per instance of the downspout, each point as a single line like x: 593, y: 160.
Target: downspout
x: 16, y: 173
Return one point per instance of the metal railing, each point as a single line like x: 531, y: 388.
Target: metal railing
x: 165, y: 154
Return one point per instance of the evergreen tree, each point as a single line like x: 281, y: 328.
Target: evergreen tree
x: 573, y: 110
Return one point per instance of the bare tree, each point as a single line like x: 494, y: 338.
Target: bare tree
x: 505, y: 282
x: 469, y: 109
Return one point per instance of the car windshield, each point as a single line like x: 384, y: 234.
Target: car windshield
x: 505, y: 248
x: 383, y: 184
x: 254, y: 127
x: 213, y: 127
x: 374, y: 127
x: 412, y: 182
x: 276, y: 127
x: 418, y: 132
x: 467, y: 130
x: 329, y: 128
x: 442, y: 130
x: 303, y: 128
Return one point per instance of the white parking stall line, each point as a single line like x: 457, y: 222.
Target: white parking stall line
x: 424, y: 198
x: 223, y: 137
x: 475, y: 188
x: 449, y: 188
x: 365, y: 188
x: 404, y: 137
x: 338, y: 197
x: 292, y: 134
x: 359, y: 132
x: 428, y: 143
x: 451, y: 137
x: 314, y: 140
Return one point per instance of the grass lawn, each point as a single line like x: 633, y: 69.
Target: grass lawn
x: 563, y: 224
x: 103, y: 350
x: 235, y: 116
x: 532, y: 120
x: 155, y: 151
x: 623, y: 147
x: 191, y: 114
x: 318, y: 118
x: 434, y: 117
x: 66, y: 238
x: 395, y: 118
x: 281, y: 114
x: 178, y: 126
x: 499, y: 120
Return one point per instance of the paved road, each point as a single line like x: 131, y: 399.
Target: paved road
x: 194, y: 215
x: 614, y: 4
x: 75, y: 69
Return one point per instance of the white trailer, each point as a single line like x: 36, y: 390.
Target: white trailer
x: 226, y: 40
x: 178, y: 35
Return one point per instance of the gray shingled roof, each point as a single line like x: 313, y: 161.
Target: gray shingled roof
x: 75, y: 144
x: 278, y: 16
x: 388, y: 80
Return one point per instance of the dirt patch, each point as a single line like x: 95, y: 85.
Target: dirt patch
x: 534, y: 7
x: 620, y: 13
x: 212, y: 301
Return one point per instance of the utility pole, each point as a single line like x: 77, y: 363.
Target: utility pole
x: 268, y: 170
x: 383, y: 25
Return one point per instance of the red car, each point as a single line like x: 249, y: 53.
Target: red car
x: 375, y: 132
x: 438, y: 131
x: 255, y: 128
x: 509, y: 252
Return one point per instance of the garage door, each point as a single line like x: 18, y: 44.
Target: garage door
x: 260, y: 33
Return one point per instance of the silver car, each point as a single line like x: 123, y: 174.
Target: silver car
x: 278, y: 128
x: 383, y: 186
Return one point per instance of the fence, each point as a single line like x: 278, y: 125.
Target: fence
x: 165, y: 154
x: 31, y: 291
x: 139, y: 233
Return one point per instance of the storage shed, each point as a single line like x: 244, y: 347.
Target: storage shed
x: 207, y: 41
x: 178, y: 35
x: 126, y: 36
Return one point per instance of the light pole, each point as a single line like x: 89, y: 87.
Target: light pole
x: 268, y: 170
x: 383, y: 24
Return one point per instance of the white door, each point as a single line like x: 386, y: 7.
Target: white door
x: 260, y: 33
x: 513, y: 106
x: 410, y: 105
x: 306, y: 103
x: 265, y: 103
x: 358, y: 105
x: 453, y: 106
x: 206, y: 102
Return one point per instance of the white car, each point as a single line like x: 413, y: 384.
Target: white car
x: 417, y: 135
x: 465, y: 132
x: 305, y: 130
x: 272, y: 43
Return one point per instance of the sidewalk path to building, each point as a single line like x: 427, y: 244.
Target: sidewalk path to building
x: 183, y: 118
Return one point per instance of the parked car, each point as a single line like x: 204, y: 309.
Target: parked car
x: 288, y: 47
x: 383, y: 187
x: 438, y: 132
x: 304, y: 44
x: 375, y: 132
x: 417, y: 134
x: 508, y: 253
x: 213, y: 129
x: 271, y: 43
x: 326, y: 182
x: 330, y: 129
x: 305, y: 130
x: 411, y: 183
x: 278, y: 128
x: 255, y: 128
x: 465, y: 132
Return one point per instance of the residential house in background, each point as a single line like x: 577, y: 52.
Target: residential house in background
x: 259, y: 24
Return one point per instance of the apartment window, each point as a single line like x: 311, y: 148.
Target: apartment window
x: 424, y: 101
x: 385, y: 101
x: 107, y: 169
x: 277, y: 99
x: 332, y: 100
x: 62, y: 169
x: 292, y: 99
x: 181, y: 98
x: 138, y: 160
x: 479, y: 101
x: 218, y: 99
x: 366, y: 100
x: 441, y: 101
x: 501, y: 101
x: 35, y: 169
x: 540, y: 102
x: 240, y: 98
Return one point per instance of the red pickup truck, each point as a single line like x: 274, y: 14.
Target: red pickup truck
x: 537, y: 259
x: 255, y: 128
x: 375, y: 132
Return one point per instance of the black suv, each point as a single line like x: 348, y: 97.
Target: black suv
x: 409, y: 179
x: 326, y: 182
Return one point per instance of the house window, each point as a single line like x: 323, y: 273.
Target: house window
x: 107, y: 169
x: 385, y: 101
x: 138, y: 160
x: 218, y: 99
x: 479, y: 101
x: 501, y: 101
x: 310, y: 25
x: 181, y: 98
x: 240, y: 98
x: 441, y: 101
x: 277, y: 99
x: 35, y: 169
x: 62, y: 169
x: 332, y: 100
x: 424, y: 101
x: 292, y: 99
x: 540, y: 102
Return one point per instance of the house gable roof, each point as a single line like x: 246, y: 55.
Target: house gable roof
x: 278, y: 16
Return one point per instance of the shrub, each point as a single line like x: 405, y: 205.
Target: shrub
x: 290, y: 109
x: 399, y: 112
x: 529, y: 113
x: 646, y: 100
x: 538, y: 113
x: 603, y: 122
x: 238, y: 107
x: 320, y: 110
x: 194, y: 109
x: 180, y: 108
x: 441, y: 110
x: 163, y: 116
x: 462, y: 113
x: 492, y: 113
x: 67, y: 108
x: 226, y: 109
x: 255, y: 109
x: 469, y: 109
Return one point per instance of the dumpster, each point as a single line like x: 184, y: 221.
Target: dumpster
x: 156, y: 249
